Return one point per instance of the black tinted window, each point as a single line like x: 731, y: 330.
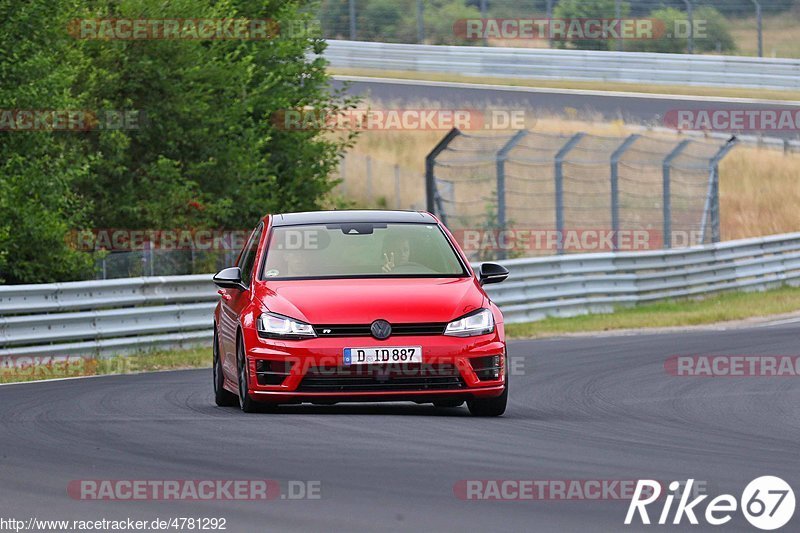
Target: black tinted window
x: 249, y: 255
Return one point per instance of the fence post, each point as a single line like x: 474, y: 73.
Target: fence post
x: 711, y: 207
x: 484, y: 8
x: 397, y: 186
x: 502, y: 157
x: 151, y: 253
x: 760, y: 23
x: 352, y: 9
x: 430, y: 163
x: 667, y: 194
x: 690, y: 14
x: 343, y: 174
x: 615, y: 157
x: 559, y: 176
x: 369, y: 180
x: 420, y: 22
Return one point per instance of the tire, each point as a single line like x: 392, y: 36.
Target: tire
x: 222, y: 397
x: 246, y: 404
x: 490, y: 406
x: 448, y: 403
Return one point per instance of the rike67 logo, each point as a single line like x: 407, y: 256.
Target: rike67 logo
x: 767, y: 503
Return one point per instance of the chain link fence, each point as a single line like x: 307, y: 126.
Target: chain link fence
x: 374, y: 183
x: 152, y: 261
x: 534, y: 193
x: 747, y: 27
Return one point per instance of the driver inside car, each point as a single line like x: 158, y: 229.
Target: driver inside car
x: 396, y: 252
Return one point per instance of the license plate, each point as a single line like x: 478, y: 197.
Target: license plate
x: 390, y: 354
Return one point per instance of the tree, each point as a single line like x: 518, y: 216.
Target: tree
x: 206, y: 152
x: 38, y: 205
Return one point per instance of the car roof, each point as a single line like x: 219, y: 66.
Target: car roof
x: 352, y: 215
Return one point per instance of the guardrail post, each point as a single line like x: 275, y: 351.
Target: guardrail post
x: 559, y: 176
x: 711, y: 207
x: 615, y: 157
x: 502, y: 157
x: 667, y: 194
x: 431, y: 196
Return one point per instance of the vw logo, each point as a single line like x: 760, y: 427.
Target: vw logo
x: 381, y: 329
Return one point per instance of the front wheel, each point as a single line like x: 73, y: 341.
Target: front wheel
x: 222, y: 397
x: 489, y: 406
x: 247, y: 404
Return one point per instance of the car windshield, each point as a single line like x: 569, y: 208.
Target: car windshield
x: 360, y: 250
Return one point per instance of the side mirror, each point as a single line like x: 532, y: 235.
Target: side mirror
x: 229, y: 278
x: 492, y: 273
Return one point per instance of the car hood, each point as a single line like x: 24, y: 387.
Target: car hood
x: 360, y: 301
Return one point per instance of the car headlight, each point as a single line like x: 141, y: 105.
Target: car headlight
x: 478, y: 322
x: 282, y: 327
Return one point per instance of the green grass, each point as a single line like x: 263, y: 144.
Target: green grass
x: 68, y: 367
x: 722, y: 308
x: 719, y: 92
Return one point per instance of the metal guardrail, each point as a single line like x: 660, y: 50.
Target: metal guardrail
x: 128, y: 315
x: 631, y: 67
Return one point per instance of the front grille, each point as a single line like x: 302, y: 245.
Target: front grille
x: 411, y: 377
x: 363, y: 330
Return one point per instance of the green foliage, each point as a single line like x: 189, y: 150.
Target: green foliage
x: 588, y: 9
x: 206, y: 152
x: 711, y: 32
x: 37, y: 169
x: 441, y: 15
x: 716, y: 37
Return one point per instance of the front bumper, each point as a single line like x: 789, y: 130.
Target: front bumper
x: 312, y: 370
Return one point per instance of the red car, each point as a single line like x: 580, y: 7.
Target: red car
x: 358, y: 306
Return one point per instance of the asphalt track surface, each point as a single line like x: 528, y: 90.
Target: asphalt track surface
x: 590, y: 105
x: 580, y: 408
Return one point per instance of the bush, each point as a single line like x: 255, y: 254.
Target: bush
x: 591, y: 9
x: 711, y: 26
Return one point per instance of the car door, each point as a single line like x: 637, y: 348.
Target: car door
x: 234, y: 301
